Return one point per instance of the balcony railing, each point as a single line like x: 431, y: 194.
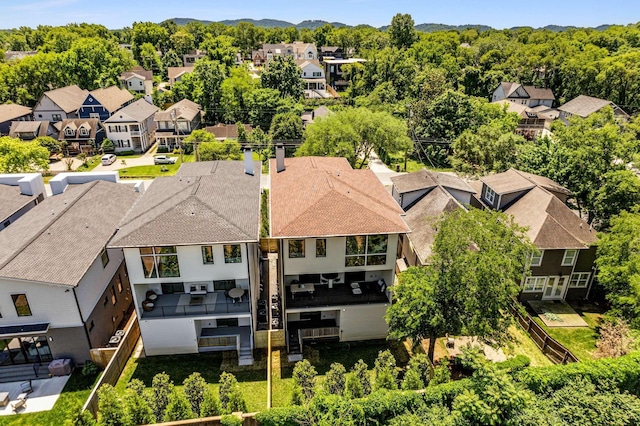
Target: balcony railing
x: 319, y: 333
x: 183, y: 305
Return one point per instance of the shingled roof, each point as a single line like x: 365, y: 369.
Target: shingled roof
x: 551, y: 224
x: 424, y: 179
x: 69, y: 98
x: 583, y: 106
x: 184, y: 110
x: 112, y: 98
x: 11, y: 200
x: 9, y: 112
x: 515, y: 180
x: 58, y: 240
x: 324, y: 196
x: 206, y: 203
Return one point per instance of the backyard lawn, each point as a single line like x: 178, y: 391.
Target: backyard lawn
x: 412, y: 164
x: 152, y: 171
x: 71, y: 400
x: 521, y: 344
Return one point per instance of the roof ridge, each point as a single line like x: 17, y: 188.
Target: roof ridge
x: 49, y: 224
x: 220, y: 215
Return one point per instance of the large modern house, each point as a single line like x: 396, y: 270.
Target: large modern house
x: 563, y: 268
x: 62, y: 291
x: 530, y: 96
x: 338, y: 231
x: 191, y: 248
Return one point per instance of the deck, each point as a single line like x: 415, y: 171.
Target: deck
x: 340, y: 294
x: 184, y: 304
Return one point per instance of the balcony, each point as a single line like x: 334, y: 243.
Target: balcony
x: 185, y: 305
x: 340, y: 294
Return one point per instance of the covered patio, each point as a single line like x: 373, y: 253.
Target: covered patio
x: 185, y: 304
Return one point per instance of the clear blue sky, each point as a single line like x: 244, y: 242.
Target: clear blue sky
x: 496, y: 13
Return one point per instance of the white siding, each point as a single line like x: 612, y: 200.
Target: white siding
x: 45, y: 109
x: 362, y: 322
x: 169, y: 336
x: 53, y: 304
x: 410, y: 197
x: 95, y: 281
x: 462, y: 197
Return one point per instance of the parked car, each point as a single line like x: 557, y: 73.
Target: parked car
x: 108, y: 159
x: 163, y: 159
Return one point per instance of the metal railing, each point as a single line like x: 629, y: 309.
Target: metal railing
x: 319, y: 333
x: 195, y: 310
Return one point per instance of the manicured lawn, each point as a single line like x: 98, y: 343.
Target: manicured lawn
x: 521, y: 344
x: 92, y: 163
x: 579, y: 340
x: 412, y: 164
x: 154, y: 170
x: 70, y: 402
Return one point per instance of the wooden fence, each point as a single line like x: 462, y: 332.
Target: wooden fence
x: 547, y: 344
x: 117, y: 363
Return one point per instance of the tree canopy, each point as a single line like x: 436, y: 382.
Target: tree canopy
x: 17, y: 156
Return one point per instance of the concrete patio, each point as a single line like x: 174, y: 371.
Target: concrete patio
x: 557, y: 314
x: 44, y: 396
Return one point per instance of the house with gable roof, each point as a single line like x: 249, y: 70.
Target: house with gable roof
x: 60, y: 104
x: 337, y: 230
x: 175, y: 74
x: 191, y: 248
x: 29, y: 130
x: 10, y: 113
x: 137, y: 79
x: 564, y: 266
x: 583, y: 106
x: 80, y: 135
x: 530, y: 96
x: 132, y: 127
x: 177, y: 122
x: 102, y: 103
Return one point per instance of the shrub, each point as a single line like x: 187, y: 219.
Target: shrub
x: 111, y: 410
x: 470, y: 358
x: 412, y: 380
x: 441, y: 373
x: 90, y: 369
x: 359, y: 384
x: 283, y: 416
x: 127, y: 152
x: 231, y: 398
x: 194, y: 387
x: 210, y: 405
x: 162, y: 149
x: 615, y: 339
x: 229, y: 420
x: 138, y: 407
x: 178, y: 408
x: 334, y: 381
x: 161, y: 389
x: 327, y: 409
x: 386, y: 371
x: 107, y: 146
x: 383, y: 404
x: 304, y: 377
x: 517, y: 363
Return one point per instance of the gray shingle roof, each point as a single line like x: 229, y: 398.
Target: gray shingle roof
x: 139, y: 111
x: 12, y: 200
x: 10, y: 112
x: 112, y: 98
x: 205, y: 203
x: 59, y: 239
x: 184, y: 110
x: 423, y: 179
x: 69, y: 98
x: 583, y: 106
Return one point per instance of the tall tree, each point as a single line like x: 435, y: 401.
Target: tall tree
x: 283, y: 75
x: 286, y: 127
x: 401, y: 32
x: 478, y: 256
x: 17, y: 156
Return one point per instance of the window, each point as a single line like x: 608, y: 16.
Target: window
x: 119, y: 284
x: 232, y: 253
x: 69, y: 131
x: 321, y: 247
x: 84, y: 131
x: 104, y: 256
x: 207, y: 255
x: 536, y: 258
x: 105, y: 301
x: 579, y: 279
x: 317, y: 74
x: 489, y: 195
x: 22, y: 305
x: 91, y: 326
x: 113, y: 295
x: 129, y: 84
x: 227, y: 322
x: 569, y: 257
x: 534, y: 284
x: 160, y: 262
x: 224, y: 284
x: 56, y: 117
x: 296, y: 248
x: 364, y: 250
x: 170, y: 288
x: 94, y: 115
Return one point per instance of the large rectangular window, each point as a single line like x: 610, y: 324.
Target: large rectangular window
x: 170, y: 288
x: 232, y: 253
x: 296, y: 249
x: 489, y: 195
x: 207, y: 255
x: 224, y: 284
x: 579, y: 279
x: 21, y: 304
x: 536, y: 258
x: 362, y: 250
x: 534, y: 284
x: 569, y: 257
x: 321, y: 247
x: 160, y: 262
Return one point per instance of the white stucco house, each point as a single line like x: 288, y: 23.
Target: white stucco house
x: 338, y: 231
x: 132, y: 127
x: 191, y: 249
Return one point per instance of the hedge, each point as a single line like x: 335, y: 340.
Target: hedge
x: 517, y: 363
x: 283, y: 416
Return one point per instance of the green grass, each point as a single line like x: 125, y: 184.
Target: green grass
x: 154, y: 170
x: 521, y: 344
x: 412, y: 164
x: 71, y: 400
x: 581, y: 341
x: 92, y: 163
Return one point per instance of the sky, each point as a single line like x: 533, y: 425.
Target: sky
x: 496, y: 13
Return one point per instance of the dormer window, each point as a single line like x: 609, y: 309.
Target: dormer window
x: 310, y: 55
x: 84, y: 131
x: 69, y: 131
x: 489, y: 195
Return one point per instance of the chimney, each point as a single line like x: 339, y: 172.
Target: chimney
x: 280, y: 158
x: 248, y: 161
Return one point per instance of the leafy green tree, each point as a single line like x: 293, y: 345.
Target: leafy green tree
x: 354, y: 133
x: 208, y: 77
x: 619, y: 192
x: 52, y: 145
x: 194, y: 389
x: 286, y: 127
x: 262, y: 144
x: 148, y: 32
x: 107, y: 146
x: 283, y: 75
x: 334, y: 381
x: 93, y: 62
x: 111, y: 410
x: 137, y: 404
x: 235, y: 91
x: 178, y: 408
x: 161, y: 390
x: 401, y: 32
x: 149, y: 58
x: 182, y: 42
x: 220, y: 49
x: 263, y: 104
x: 80, y: 417
x: 358, y: 382
x: 220, y: 150
x: 386, y: 371
x: 17, y: 156
x: 231, y: 398
x: 304, y: 378
x: 170, y: 59
x: 210, y: 405
x: 417, y: 374
x: 478, y: 256
x: 197, y: 138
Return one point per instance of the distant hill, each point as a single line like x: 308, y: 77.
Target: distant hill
x: 430, y: 28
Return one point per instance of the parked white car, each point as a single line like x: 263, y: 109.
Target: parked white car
x: 108, y: 159
x: 163, y: 159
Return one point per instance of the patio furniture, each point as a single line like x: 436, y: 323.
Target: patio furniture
x: 26, y: 387
x: 4, y: 399
x: 148, y: 305
x: 151, y: 295
x: 236, y: 293
x: 302, y: 288
x: 21, y: 402
x: 355, y: 289
x: 60, y: 367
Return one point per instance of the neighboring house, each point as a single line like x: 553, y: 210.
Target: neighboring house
x: 80, y: 135
x: 338, y: 232
x: 296, y: 50
x: 190, y: 240
x: 175, y: 74
x: 313, y: 77
x: 62, y: 292
x: 330, y: 52
x: 530, y: 96
x: 424, y: 196
x: 321, y: 111
x: 334, y: 73
x: 177, y: 122
x: 132, y: 127
x: 19, y: 194
x: 137, y: 80
x: 12, y: 112
x: 189, y: 59
x: 227, y: 131
x: 102, y: 103
x: 534, y: 122
x: 563, y: 268
x: 29, y: 130
x: 60, y: 104
x: 583, y: 106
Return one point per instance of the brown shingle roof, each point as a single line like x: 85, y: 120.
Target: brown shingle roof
x: 507, y: 182
x: 58, y: 240
x: 584, y: 106
x: 184, y: 110
x: 415, y: 181
x: 112, y: 98
x: 12, y: 200
x: 92, y: 123
x: 324, y: 196
x: 38, y: 128
x: 551, y: 224
x: 175, y: 72
x: 227, y: 131
x: 69, y: 98
x: 9, y: 112
x: 207, y: 202
x: 139, y: 71
x: 539, y: 92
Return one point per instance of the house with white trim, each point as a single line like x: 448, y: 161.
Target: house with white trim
x: 60, y: 104
x: 133, y: 127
